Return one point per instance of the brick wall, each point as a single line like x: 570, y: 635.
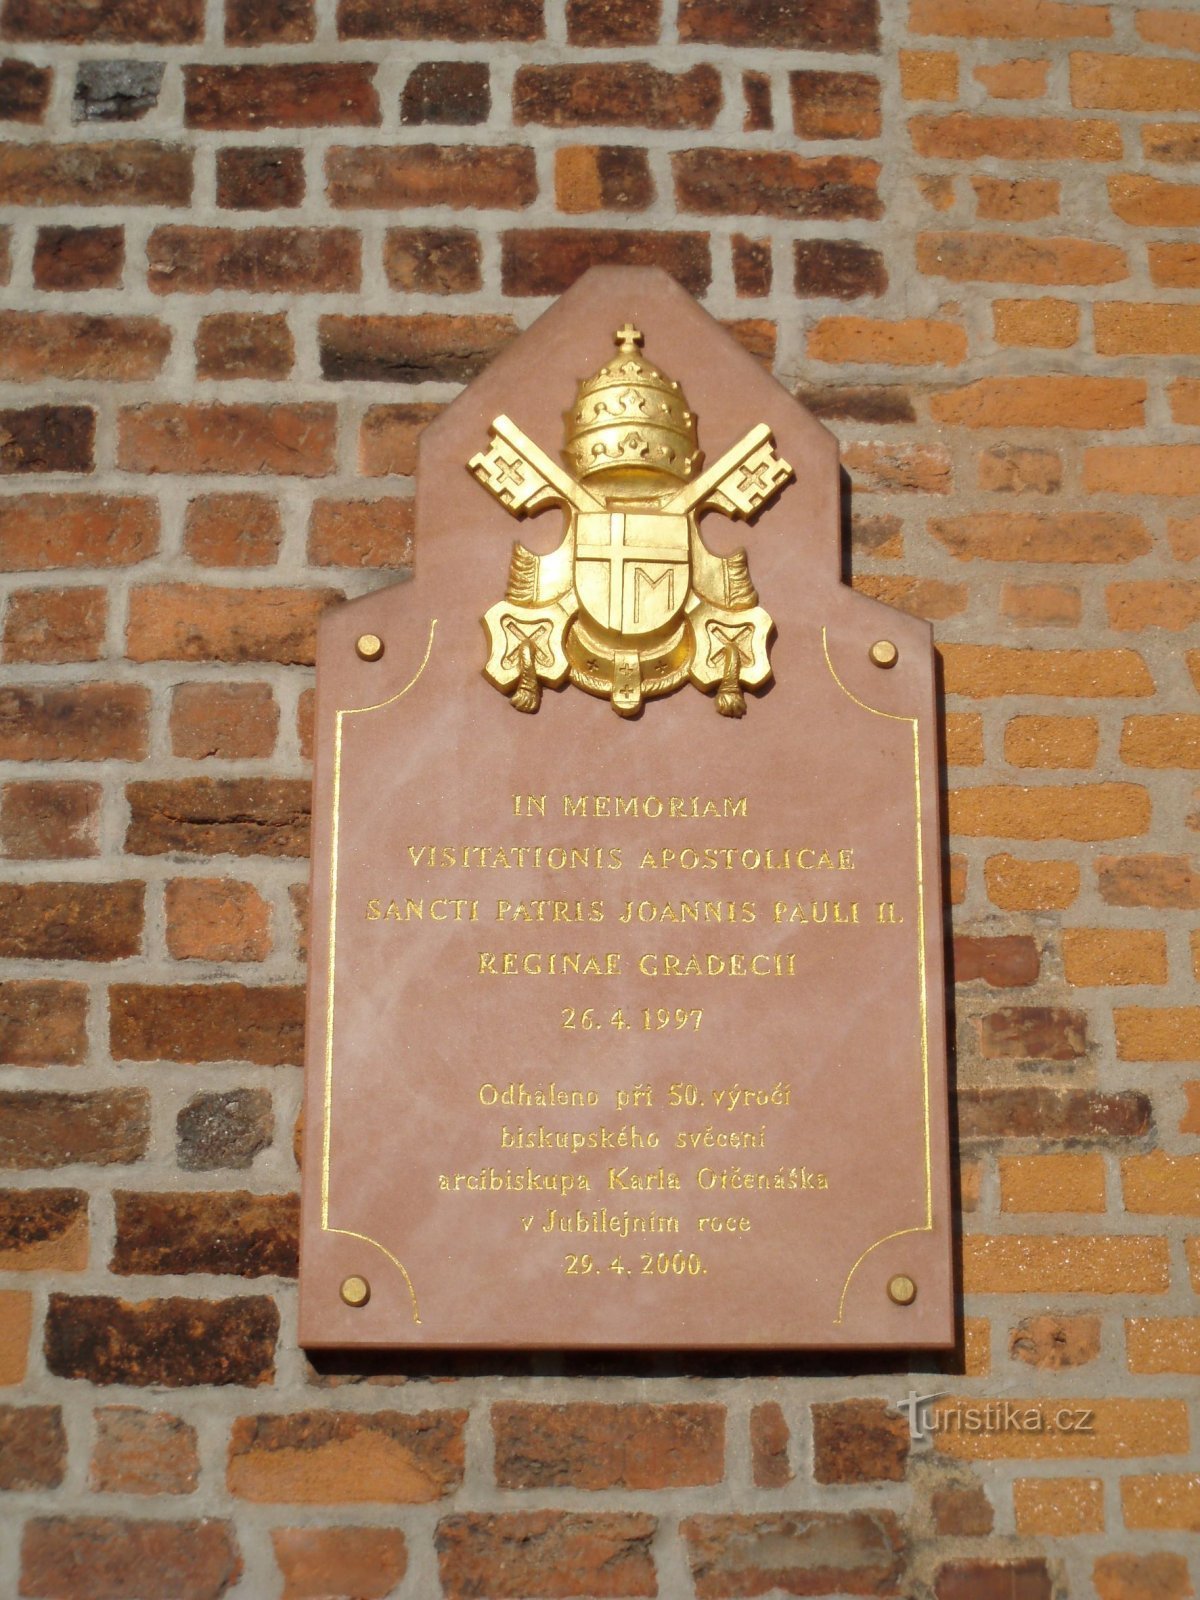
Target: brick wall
x: 246, y: 251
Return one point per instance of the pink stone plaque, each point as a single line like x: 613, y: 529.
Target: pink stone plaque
x: 626, y: 1023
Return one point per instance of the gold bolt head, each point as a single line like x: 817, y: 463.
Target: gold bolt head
x: 902, y: 1290
x: 884, y: 653
x: 355, y: 1291
x: 369, y: 646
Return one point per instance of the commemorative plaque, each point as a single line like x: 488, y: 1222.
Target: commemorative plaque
x: 625, y: 997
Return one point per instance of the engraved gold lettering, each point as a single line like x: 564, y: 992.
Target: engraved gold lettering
x: 537, y: 1096
x: 622, y: 1223
x: 550, y: 963
x: 732, y: 964
x: 677, y: 807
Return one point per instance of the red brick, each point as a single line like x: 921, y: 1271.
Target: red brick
x: 752, y: 266
x: 616, y: 94
x: 840, y: 269
x: 993, y: 1580
x: 1039, y: 1112
x: 464, y: 177
x: 456, y: 94
x: 97, y: 1558
x: 42, y: 1129
x: 1184, y: 395
x: 759, y: 116
x: 859, y: 1441
x: 143, y: 1452
x: 259, y: 178
x: 133, y: 172
x: 49, y: 821
x: 1165, y: 882
x: 33, y: 1447
x: 197, y: 622
x: 433, y: 348
x: 463, y: 21
x: 219, y: 816
x: 1047, y: 401
x: 596, y: 1446
x: 433, y: 260
x: 306, y: 95
x: 40, y: 345
x: 280, y: 22
x: 291, y: 440
x: 1010, y: 258
x: 207, y: 1022
x: 233, y: 530
x: 233, y: 1233
x: 24, y: 91
x: 1010, y: 19
x: 360, y: 533
x: 387, y: 441
x: 1151, y: 1577
x: 224, y: 1128
x: 229, y: 721
x: 769, y: 1439
x: 960, y: 136
x: 55, y: 625
x: 16, y: 1325
x: 186, y: 260
x: 71, y: 921
x: 95, y: 722
x: 47, y: 439
x: 1147, y: 202
x: 775, y: 183
x: 795, y: 1552
x: 169, y: 1343
x: 318, y: 1562
x: 75, y: 259
x: 115, y: 22
x: 216, y: 919
x: 314, y: 1456
x: 876, y: 403
x: 1016, y: 199
x: 1004, y: 961
x: 1033, y: 1033
x: 547, y: 261
x: 591, y: 177
x: 244, y: 344
x: 848, y: 25
x: 835, y: 105
x: 545, y: 1555
x: 1035, y: 536
x: 40, y: 531
x: 43, y: 1230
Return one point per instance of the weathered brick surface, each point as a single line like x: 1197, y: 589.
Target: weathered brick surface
x: 249, y: 1235
x: 143, y: 1452
x: 387, y: 1456
x: 631, y: 1447
x: 170, y: 1343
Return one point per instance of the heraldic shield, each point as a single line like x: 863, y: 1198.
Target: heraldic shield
x: 632, y: 603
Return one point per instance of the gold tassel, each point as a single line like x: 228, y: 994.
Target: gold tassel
x: 527, y: 696
x: 731, y: 702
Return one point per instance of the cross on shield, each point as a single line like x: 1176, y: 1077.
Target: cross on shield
x: 631, y: 569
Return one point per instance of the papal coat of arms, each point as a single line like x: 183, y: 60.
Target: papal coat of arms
x: 632, y: 602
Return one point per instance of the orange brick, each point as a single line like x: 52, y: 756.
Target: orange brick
x: 1010, y: 19
x: 1183, y: 535
x: 1134, y: 83
x: 1119, y: 1429
x: 1195, y: 941
x: 1049, y: 1264
x: 16, y: 1324
x: 1019, y: 469
x: 956, y: 886
x: 970, y: 1180
x: 1016, y: 199
x: 1193, y: 665
x: 1162, y: 1500
x: 319, y: 1562
x: 1014, y: 80
x: 1042, y: 324
x: 1013, y: 258
x: 929, y: 74
x: 1125, y: 328
x: 1160, y: 1184
x: 292, y: 440
x: 1170, y: 740
x: 1178, y: 30
x: 1052, y: 1183
x: 1192, y: 1251
x: 1044, y: 402
x: 921, y: 597
x: 1054, y: 1343
x: 1175, y: 266
x: 217, y: 919
x: 1041, y: 605
x: 1058, y: 1507
x: 1051, y: 741
x: 1172, y: 469
x: 1170, y: 1033
x: 43, y: 1230
x: 223, y: 720
x: 977, y: 1347
x: 1174, y: 142
x: 313, y: 1458
x: 1163, y: 1576
x: 1016, y: 885
x: 964, y: 738
x: 1153, y: 203
x: 197, y: 622
x: 937, y: 189
x: 982, y: 670
x: 1163, y: 1344
x: 1110, y: 957
x: 961, y: 136
x: 1149, y: 880
x: 233, y: 530
x: 916, y: 342
x: 884, y: 468
x: 361, y: 533
x: 1184, y: 395
x: 1076, y: 536
x: 1171, y: 603
x: 387, y: 441
x: 1085, y: 811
